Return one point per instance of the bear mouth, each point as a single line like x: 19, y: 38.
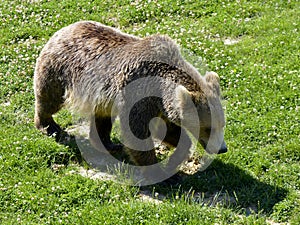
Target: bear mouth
x: 221, y: 151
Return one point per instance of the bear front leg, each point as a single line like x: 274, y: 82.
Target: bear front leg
x: 176, y: 137
x: 182, y: 142
x: 134, y: 122
x: 173, y: 135
x: 138, y: 142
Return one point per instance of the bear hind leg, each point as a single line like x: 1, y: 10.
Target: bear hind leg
x: 49, y: 97
x: 100, y: 130
x: 43, y: 116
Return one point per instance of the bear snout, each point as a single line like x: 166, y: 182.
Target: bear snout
x: 223, y: 148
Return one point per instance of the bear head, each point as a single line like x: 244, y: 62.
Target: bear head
x: 203, y: 108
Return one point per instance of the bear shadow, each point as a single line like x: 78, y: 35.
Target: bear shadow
x: 221, y: 183
x: 228, y: 185
x: 81, y: 152
x: 73, y: 155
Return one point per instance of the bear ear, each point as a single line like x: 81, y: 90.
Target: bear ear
x: 182, y: 98
x: 213, y: 81
x: 182, y: 94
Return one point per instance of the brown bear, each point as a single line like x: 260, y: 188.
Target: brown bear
x: 86, y: 66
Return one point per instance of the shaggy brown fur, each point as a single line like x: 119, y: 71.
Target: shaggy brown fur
x: 86, y: 65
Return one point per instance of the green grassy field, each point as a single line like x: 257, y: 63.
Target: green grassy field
x: 253, y: 45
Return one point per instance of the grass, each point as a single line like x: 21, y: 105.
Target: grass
x: 258, y: 180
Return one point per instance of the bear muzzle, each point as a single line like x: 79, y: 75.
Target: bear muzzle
x: 222, y: 149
